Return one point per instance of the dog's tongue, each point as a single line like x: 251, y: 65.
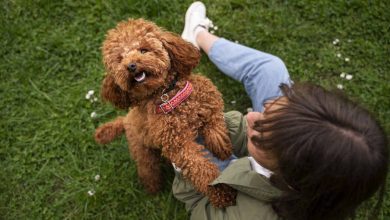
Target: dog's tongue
x: 140, y: 77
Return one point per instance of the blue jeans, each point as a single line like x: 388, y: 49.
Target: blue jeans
x: 261, y: 73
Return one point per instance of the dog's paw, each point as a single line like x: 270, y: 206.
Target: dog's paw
x: 222, y: 195
x: 225, y: 152
x: 219, y: 143
x: 153, y: 189
x: 105, y: 134
x: 150, y: 177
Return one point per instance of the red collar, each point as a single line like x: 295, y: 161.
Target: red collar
x: 171, y: 104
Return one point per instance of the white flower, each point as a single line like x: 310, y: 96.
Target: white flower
x: 97, y: 177
x: 93, y: 99
x: 236, y: 42
x: 233, y: 102
x: 89, y: 94
x: 93, y: 115
x: 340, y: 86
x: 336, y: 41
x: 212, y: 32
x: 346, y: 59
x: 342, y: 75
x: 91, y: 192
x: 338, y: 55
x: 215, y: 27
x: 348, y: 77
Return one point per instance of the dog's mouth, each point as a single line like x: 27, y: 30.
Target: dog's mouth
x: 140, y: 77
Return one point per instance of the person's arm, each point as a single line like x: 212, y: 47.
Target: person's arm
x: 185, y: 192
x: 255, y: 192
x: 236, y: 124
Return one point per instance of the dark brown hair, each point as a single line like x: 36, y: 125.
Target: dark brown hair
x: 332, y: 154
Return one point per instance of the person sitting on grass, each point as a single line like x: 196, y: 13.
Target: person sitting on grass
x: 305, y: 152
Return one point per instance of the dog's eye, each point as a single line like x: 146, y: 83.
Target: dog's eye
x: 143, y: 50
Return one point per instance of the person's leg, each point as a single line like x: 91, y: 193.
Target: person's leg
x: 205, y: 40
x: 261, y: 73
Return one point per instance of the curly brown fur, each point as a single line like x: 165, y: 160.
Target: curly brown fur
x: 163, y: 56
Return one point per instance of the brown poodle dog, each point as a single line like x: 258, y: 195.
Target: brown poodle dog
x: 149, y: 70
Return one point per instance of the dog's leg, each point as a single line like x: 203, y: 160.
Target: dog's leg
x: 195, y: 167
x: 200, y: 171
x: 216, y: 137
x: 109, y: 131
x: 148, y: 167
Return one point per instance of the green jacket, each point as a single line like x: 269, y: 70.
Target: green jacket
x: 254, y: 190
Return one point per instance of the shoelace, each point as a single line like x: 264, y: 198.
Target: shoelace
x: 206, y: 23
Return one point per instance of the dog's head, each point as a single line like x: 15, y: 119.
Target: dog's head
x: 140, y: 58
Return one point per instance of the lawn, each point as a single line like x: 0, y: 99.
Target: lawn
x: 51, y: 168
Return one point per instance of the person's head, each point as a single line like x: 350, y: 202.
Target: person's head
x: 327, y: 153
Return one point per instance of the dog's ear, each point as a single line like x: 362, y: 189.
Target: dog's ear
x: 184, y: 56
x: 113, y: 93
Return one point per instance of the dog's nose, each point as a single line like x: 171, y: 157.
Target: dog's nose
x: 132, y: 67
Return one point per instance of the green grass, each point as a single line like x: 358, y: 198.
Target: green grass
x: 50, y: 58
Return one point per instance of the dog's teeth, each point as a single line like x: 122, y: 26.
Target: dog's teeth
x: 140, y: 78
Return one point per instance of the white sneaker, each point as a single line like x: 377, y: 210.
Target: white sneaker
x: 195, y: 21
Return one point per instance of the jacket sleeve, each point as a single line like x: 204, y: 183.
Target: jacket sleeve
x: 185, y: 192
x: 252, y: 202
x: 236, y: 124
